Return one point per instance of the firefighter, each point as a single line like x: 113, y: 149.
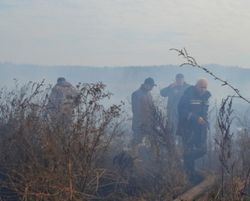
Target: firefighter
x: 193, y: 125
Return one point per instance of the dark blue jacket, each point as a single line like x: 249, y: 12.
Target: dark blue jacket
x: 192, y: 105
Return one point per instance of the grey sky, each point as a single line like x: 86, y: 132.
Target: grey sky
x: 124, y: 32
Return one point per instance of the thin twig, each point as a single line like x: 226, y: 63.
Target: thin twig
x: 192, y: 62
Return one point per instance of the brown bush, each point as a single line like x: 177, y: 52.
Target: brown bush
x: 50, y: 159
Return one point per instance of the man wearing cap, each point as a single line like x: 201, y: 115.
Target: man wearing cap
x: 142, y: 105
x: 193, y: 125
x: 174, y: 92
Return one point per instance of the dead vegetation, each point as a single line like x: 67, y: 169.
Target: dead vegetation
x: 87, y: 157
x: 46, y: 158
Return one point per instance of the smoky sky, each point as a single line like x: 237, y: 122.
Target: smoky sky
x: 124, y: 32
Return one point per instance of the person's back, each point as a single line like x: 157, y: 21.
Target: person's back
x: 63, y: 98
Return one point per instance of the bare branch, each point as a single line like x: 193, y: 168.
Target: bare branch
x: 189, y: 60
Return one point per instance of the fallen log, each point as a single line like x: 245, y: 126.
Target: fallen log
x: 195, y: 192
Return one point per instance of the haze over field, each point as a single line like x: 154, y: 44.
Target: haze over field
x: 123, y: 81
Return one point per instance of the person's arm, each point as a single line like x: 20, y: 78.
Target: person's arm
x: 134, y: 103
x: 166, y: 91
x: 205, y: 105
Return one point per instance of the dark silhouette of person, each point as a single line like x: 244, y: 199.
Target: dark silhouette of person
x: 142, y: 104
x: 64, y: 97
x: 174, y: 92
x: 193, y: 124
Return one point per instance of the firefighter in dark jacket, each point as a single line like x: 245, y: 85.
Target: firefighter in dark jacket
x: 193, y: 124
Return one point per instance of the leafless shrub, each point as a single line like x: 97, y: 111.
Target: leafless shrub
x: 42, y: 158
x: 232, y: 150
x: 224, y: 140
x: 46, y: 158
x: 163, y: 161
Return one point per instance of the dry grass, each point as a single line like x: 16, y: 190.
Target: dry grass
x: 84, y: 158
